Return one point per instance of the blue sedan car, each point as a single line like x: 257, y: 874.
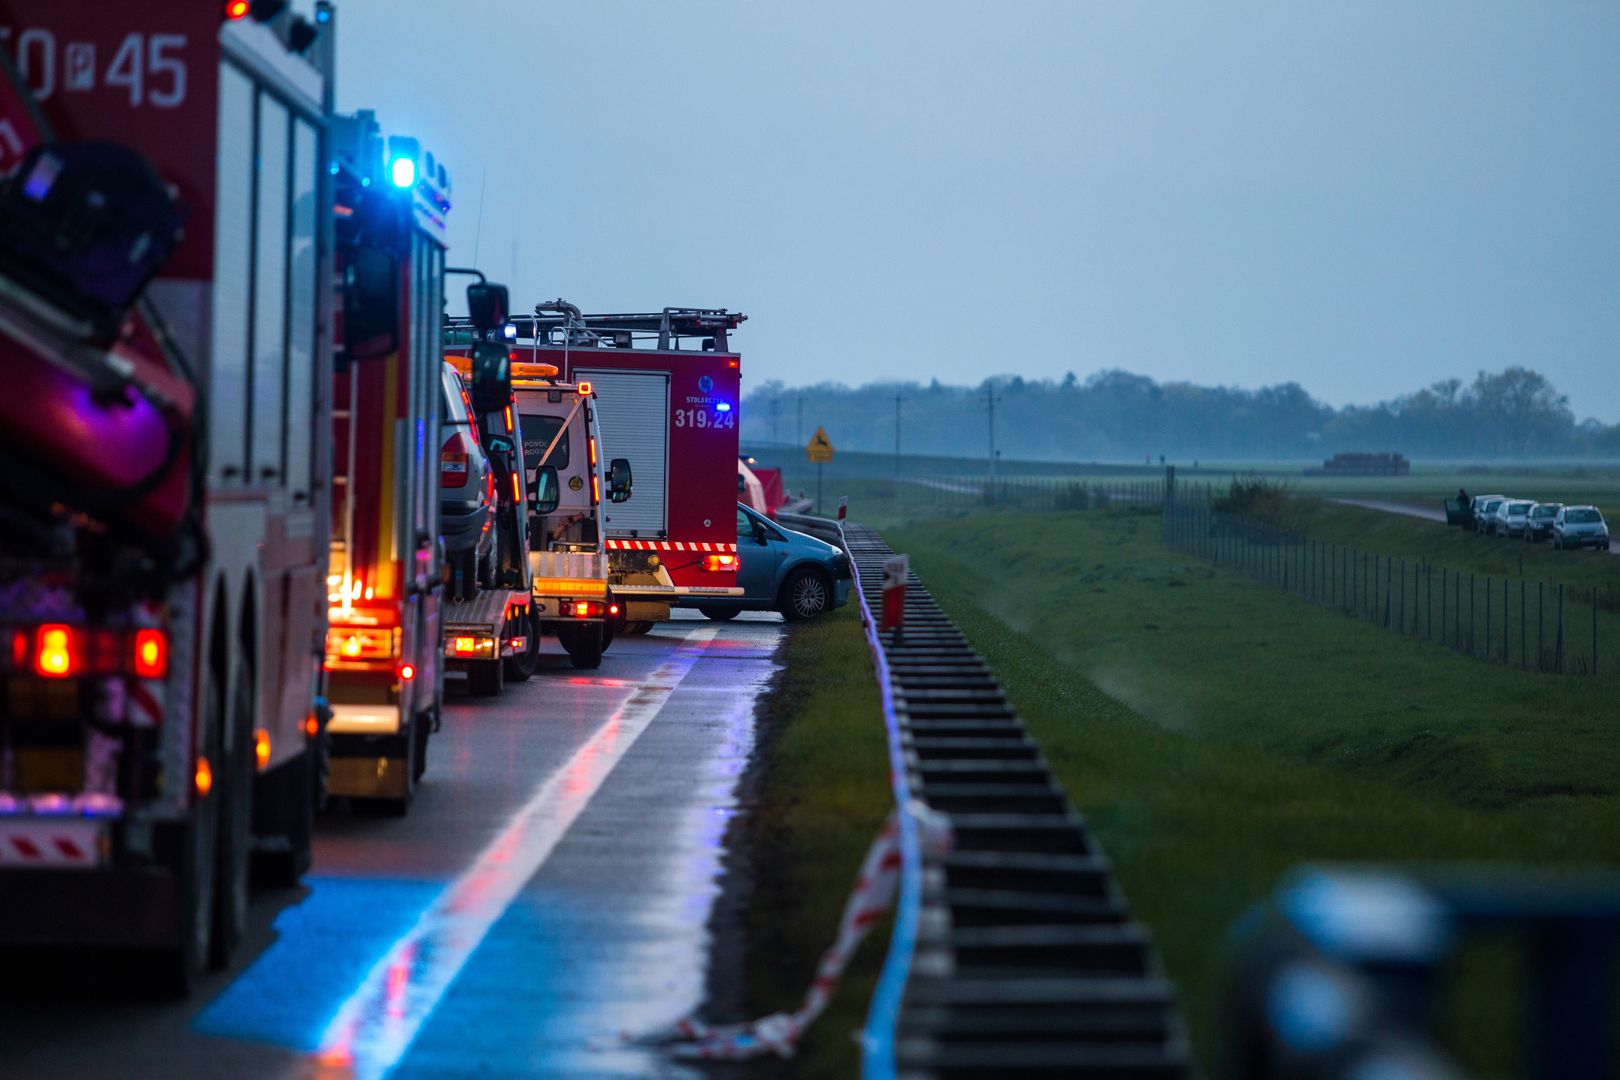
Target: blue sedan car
x: 781, y: 570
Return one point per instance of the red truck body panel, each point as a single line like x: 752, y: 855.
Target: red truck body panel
x: 701, y: 463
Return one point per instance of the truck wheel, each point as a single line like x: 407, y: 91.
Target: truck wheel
x: 486, y: 678
x: 584, y: 645
x: 806, y: 595
x: 184, y: 964
x: 234, y: 785
x: 284, y: 807
x: 522, y: 665
x: 400, y: 806
x: 718, y: 614
x: 425, y: 724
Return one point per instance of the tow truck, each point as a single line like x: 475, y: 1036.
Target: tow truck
x: 385, y: 574
x: 163, y: 506
x: 666, y: 384
x: 491, y: 630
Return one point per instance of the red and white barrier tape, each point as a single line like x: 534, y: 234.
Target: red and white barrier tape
x: 875, y: 886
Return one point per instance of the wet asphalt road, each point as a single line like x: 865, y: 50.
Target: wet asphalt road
x: 552, y: 883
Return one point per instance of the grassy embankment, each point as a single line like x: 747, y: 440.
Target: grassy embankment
x: 1217, y: 732
x: 823, y: 794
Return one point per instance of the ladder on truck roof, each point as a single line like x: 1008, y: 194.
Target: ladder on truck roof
x: 622, y: 331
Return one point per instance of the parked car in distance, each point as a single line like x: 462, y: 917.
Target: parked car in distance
x: 1511, y: 515
x: 1580, y: 526
x: 1538, y: 526
x: 466, y: 487
x: 780, y: 570
x: 1485, y: 512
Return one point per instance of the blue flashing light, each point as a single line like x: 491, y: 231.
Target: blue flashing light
x: 334, y: 168
x: 365, y: 181
x: 724, y: 406
x: 323, y: 15
x: 402, y: 171
x: 510, y: 331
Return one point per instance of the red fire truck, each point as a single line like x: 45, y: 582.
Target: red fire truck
x: 383, y: 656
x: 667, y: 390
x: 163, y: 512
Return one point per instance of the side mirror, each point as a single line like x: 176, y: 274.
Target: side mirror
x: 546, y: 492
x: 619, y: 483
x: 759, y: 533
x: 370, y: 304
x: 491, y: 377
x: 487, y: 305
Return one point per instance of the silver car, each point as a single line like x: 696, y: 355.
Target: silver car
x: 1580, y: 526
x: 466, y: 487
x: 1484, y: 507
x: 1511, y: 517
x: 1538, y: 526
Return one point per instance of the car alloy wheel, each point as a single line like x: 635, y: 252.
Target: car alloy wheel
x: 809, y: 596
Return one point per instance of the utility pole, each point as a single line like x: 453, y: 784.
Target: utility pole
x: 799, y: 434
x: 897, y: 400
x: 774, y: 402
x: 990, y: 398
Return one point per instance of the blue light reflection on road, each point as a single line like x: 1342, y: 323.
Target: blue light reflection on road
x: 324, y: 946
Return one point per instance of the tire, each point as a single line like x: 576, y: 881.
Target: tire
x: 487, y: 678
x: 718, y: 614
x: 183, y: 965
x: 806, y: 595
x: 287, y: 799
x: 401, y: 806
x: 521, y: 666
x: 232, y: 866
x: 584, y: 645
x: 419, y: 737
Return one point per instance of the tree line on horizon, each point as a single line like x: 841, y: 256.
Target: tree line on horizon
x: 1116, y: 415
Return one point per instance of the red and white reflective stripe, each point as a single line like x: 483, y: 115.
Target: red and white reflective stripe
x: 48, y: 844
x: 143, y: 706
x: 668, y: 545
x: 875, y: 887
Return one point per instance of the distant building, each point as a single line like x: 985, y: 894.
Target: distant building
x: 1357, y: 464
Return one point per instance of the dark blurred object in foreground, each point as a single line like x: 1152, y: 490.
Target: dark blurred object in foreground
x: 1341, y: 973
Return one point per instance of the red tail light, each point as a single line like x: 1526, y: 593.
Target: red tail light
x: 454, y: 459
x: 54, y: 655
x: 719, y: 562
x: 584, y: 609
x: 151, y: 660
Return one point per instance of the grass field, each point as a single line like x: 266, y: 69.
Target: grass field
x: 823, y: 794
x: 1217, y: 732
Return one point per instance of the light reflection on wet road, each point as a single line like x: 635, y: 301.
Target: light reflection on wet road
x: 552, y: 882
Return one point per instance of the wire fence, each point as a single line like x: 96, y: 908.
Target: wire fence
x: 1533, y: 625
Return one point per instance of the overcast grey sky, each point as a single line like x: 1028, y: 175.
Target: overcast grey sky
x: 1361, y: 197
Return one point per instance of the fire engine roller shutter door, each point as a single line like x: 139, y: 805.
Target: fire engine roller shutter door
x: 633, y: 413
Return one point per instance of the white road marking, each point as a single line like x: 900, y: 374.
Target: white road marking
x: 377, y: 1024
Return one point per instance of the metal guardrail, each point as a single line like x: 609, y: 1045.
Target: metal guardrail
x: 1015, y: 954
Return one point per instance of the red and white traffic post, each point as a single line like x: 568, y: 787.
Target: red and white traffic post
x: 893, y: 616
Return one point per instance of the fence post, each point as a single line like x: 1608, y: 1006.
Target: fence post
x: 1594, y: 631
x: 1428, y: 602
x: 1506, y: 656
x: 1558, y: 652
x: 1403, y: 596
x: 1521, y: 624
x: 1541, y: 626
x: 1488, y: 654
